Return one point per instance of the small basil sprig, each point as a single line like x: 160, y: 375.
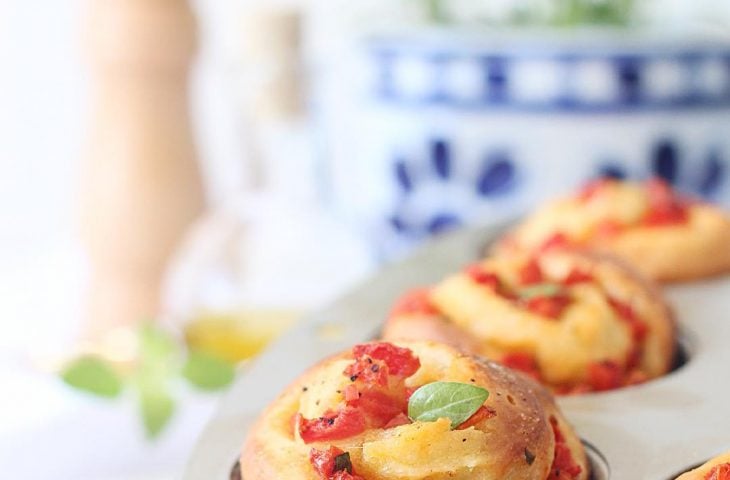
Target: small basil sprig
x: 540, y: 290
x: 161, y: 359
x: 452, y: 400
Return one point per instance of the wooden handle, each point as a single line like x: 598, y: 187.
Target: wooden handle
x: 141, y: 185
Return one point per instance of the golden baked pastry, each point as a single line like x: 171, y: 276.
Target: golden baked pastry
x: 576, y: 321
x: 348, y: 419
x: 665, y: 236
x: 717, y: 468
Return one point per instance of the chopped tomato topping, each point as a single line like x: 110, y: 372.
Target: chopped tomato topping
x: 375, y: 397
x: 665, y: 215
x: 577, y: 276
x: 593, y: 187
x: 531, y: 273
x: 484, y: 413
x: 550, y: 307
x: 639, y: 329
x: 326, y: 466
x: 490, y: 280
x: 665, y: 206
x: 719, y: 472
x: 479, y: 275
x: 398, y: 420
x: 524, y: 362
x: 564, y: 466
x: 368, y: 371
x: 557, y: 240
x: 351, y: 393
x: 345, y: 475
x: 378, y: 406
x: 415, y: 302
x: 333, y: 425
x: 605, y: 375
x: 608, y: 228
x: 400, y: 361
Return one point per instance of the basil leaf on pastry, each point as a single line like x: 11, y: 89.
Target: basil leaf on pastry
x: 576, y: 321
x: 347, y: 419
x: 452, y: 400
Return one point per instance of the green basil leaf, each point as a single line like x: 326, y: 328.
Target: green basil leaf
x: 455, y: 401
x: 93, y: 375
x: 157, y: 407
x: 207, y: 371
x: 156, y: 344
x: 540, y: 290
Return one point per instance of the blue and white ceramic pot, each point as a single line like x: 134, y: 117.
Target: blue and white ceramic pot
x: 453, y: 130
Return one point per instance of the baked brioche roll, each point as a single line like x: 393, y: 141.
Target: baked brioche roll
x: 665, y: 236
x: 717, y: 468
x: 347, y: 419
x: 576, y: 321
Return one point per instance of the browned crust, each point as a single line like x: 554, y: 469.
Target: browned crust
x: 667, y: 328
x: 700, y: 472
x: 439, y: 328
x: 708, y: 257
x: 522, y: 421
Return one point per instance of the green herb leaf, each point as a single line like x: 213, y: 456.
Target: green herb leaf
x: 343, y: 462
x: 156, y: 344
x: 207, y: 371
x: 455, y: 401
x: 93, y: 375
x: 540, y: 290
x: 157, y: 407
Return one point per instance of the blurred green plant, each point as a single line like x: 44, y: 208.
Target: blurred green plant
x: 593, y: 12
x: 557, y: 13
x: 162, y: 361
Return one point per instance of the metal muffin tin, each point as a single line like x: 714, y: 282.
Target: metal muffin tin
x: 652, y: 431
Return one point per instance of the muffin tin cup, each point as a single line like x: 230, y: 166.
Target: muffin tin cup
x: 652, y: 431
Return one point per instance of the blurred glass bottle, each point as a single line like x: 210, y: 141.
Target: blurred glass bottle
x: 271, y: 251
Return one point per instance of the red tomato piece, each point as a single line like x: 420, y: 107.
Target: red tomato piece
x: 379, y: 407
x: 323, y: 462
x: 564, y: 466
x: 351, y: 393
x: 665, y: 215
x: 400, y: 361
x: 550, y: 307
x: 484, y: 413
x: 719, y: 472
x: 665, y: 206
x: 524, y: 362
x: 556, y: 241
x: 398, y: 420
x: 605, y: 375
x: 593, y: 188
x: 659, y: 191
x: 344, y: 475
x: 344, y: 423
x: 415, y: 302
x: 367, y: 371
x: 483, y: 277
x: 531, y: 273
x: 608, y: 228
x: 638, y: 327
x: 577, y: 276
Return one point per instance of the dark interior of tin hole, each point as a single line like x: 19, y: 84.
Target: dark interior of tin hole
x: 685, y: 350
x: 236, y: 471
x: 599, y: 465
